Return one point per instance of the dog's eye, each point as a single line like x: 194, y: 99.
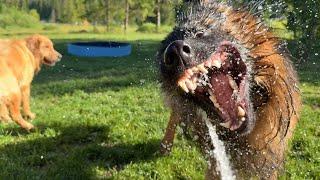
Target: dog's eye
x: 199, y: 34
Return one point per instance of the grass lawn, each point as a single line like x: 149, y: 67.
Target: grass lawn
x: 104, y: 118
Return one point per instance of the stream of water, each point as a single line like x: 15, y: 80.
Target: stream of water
x: 219, y: 153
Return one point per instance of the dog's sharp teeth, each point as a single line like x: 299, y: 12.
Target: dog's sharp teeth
x: 243, y: 119
x: 213, y: 99
x: 190, y: 85
x: 241, y: 112
x: 190, y: 72
x: 232, y: 83
x: 216, y: 63
x: 202, y: 68
x: 236, y: 126
x: 195, y: 69
x: 208, y: 64
x: 194, y: 79
x: 226, y: 124
x: 183, y: 86
x: 210, y: 92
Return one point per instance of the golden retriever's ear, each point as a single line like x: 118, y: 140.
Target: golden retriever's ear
x: 33, y: 43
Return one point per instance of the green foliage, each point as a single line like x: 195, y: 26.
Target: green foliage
x: 11, y: 16
x: 152, y: 28
x: 147, y: 27
x: 50, y: 27
x: 106, y: 12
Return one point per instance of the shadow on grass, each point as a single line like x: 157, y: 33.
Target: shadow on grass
x: 71, y: 152
x: 102, y: 74
x: 98, y: 74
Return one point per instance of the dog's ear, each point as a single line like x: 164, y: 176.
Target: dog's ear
x: 33, y: 43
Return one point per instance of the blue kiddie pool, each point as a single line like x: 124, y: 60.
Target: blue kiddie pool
x: 99, y: 49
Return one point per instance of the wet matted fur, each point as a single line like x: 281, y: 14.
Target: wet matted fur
x: 227, y: 63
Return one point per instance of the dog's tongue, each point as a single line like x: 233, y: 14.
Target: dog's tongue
x: 223, y: 93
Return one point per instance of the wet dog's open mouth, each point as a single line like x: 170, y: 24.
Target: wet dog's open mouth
x: 220, y: 80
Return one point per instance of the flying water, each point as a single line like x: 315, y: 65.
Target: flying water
x: 219, y: 153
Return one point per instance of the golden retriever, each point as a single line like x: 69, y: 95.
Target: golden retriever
x: 20, y: 60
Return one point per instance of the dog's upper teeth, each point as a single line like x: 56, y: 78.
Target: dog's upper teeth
x: 194, y: 79
x: 243, y: 119
x: 241, y: 112
x: 190, y: 72
x: 216, y: 63
x: 183, y: 86
x: 202, y: 68
x: 208, y: 64
x: 195, y: 69
x: 190, y: 85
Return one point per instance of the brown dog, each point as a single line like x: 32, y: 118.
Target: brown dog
x: 20, y: 60
x: 224, y: 65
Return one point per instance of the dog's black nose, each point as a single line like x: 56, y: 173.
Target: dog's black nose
x: 178, y: 51
x: 59, y: 56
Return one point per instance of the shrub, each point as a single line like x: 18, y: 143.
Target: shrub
x: 147, y: 28
x: 152, y: 28
x: 50, y: 27
x: 10, y: 16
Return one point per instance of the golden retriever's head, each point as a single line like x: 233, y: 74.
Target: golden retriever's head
x: 42, y: 49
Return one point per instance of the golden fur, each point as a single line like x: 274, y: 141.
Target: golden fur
x: 20, y: 60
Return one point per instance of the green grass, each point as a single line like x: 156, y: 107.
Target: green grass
x: 104, y: 118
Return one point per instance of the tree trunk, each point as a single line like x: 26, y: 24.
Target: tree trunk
x: 53, y: 16
x: 158, y: 14
x: 126, y: 21
x: 107, y: 14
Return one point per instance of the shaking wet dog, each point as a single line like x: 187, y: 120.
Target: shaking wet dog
x: 226, y: 63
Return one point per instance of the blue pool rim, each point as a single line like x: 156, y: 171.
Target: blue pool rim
x: 99, y: 49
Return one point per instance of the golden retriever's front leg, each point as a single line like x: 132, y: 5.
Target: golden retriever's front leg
x: 4, y: 113
x: 14, y: 107
x: 25, y: 90
x: 167, y: 141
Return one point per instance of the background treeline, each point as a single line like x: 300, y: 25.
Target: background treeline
x: 103, y: 12
x: 300, y: 18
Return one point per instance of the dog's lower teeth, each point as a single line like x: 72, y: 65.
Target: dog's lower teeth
x: 241, y: 112
x: 226, y: 124
x: 232, y: 83
x: 236, y: 126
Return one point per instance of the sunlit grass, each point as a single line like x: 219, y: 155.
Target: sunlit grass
x: 104, y: 118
